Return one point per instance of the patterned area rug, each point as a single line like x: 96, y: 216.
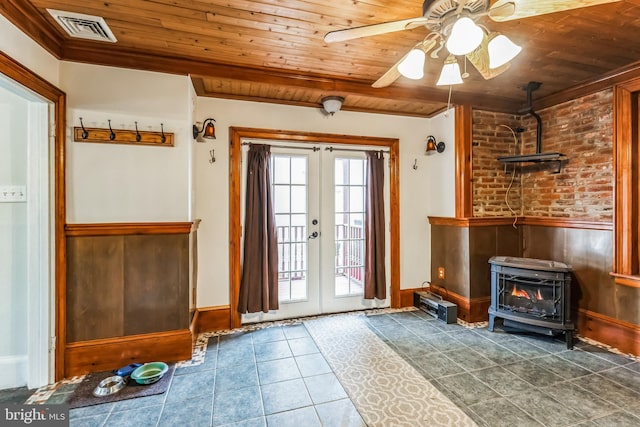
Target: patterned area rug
x: 385, y: 389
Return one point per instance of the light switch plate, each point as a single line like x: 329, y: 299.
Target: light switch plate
x: 13, y: 193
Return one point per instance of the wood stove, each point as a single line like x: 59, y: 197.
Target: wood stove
x: 531, y: 295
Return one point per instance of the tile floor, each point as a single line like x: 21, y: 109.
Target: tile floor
x: 276, y: 376
x: 502, y: 379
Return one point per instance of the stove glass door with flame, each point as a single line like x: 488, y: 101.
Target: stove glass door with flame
x: 538, y: 297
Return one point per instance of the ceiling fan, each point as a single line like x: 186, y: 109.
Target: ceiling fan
x: 452, y: 24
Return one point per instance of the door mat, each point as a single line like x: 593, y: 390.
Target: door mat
x: 83, y: 394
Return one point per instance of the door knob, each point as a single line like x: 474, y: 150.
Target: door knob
x: 313, y: 235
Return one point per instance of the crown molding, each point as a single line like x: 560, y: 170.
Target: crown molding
x: 28, y: 19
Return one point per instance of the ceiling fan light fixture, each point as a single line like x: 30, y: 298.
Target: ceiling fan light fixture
x: 465, y: 37
x: 450, y: 74
x: 501, y: 50
x: 412, y: 67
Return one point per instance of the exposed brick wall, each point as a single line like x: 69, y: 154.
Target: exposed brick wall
x: 581, y: 129
x: 491, y: 139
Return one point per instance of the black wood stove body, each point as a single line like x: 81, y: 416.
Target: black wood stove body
x: 532, y: 295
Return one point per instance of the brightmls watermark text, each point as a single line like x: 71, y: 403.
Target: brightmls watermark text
x: 34, y: 415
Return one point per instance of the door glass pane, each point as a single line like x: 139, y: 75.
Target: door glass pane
x: 290, y: 205
x: 349, y: 226
x: 299, y: 170
x: 298, y: 198
x: 280, y: 170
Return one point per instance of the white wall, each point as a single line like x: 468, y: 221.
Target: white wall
x: 440, y: 200
x: 423, y: 191
x: 13, y: 243
x: 21, y: 48
x: 126, y: 183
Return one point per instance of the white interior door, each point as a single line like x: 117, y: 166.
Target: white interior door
x: 318, y: 200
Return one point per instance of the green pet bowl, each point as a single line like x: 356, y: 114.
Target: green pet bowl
x: 149, y: 373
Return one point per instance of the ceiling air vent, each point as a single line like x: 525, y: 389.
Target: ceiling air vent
x: 83, y: 26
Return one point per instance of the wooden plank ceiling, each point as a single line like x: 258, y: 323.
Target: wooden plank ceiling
x: 273, y: 51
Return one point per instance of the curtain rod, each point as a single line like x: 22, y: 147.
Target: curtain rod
x: 314, y: 148
x: 288, y: 146
x: 330, y: 149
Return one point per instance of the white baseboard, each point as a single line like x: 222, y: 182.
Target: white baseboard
x: 13, y: 371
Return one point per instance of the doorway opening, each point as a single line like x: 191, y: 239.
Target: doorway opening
x: 42, y: 230
x: 319, y: 206
x: 304, y: 243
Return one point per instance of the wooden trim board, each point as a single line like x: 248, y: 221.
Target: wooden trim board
x: 527, y: 220
x: 111, y: 353
x: 621, y: 335
x: 213, y: 319
x: 129, y: 228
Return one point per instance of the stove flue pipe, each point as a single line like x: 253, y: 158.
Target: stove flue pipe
x: 530, y: 87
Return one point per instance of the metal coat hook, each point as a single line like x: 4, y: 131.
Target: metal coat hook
x: 212, y: 156
x: 112, y: 134
x: 85, y: 133
x: 163, y: 138
x: 415, y: 164
x: 138, y: 136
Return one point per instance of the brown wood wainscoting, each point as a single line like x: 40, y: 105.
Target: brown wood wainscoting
x: 127, y: 294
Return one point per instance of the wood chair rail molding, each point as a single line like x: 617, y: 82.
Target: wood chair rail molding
x: 527, y: 220
x: 130, y: 228
x: 237, y: 134
x: 22, y: 75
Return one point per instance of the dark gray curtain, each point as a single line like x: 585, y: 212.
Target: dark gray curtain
x: 374, y: 228
x: 259, y: 285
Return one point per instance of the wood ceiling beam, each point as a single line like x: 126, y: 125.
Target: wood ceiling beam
x: 28, y: 19
x: 83, y: 52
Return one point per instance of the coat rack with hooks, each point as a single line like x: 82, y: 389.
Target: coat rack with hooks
x: 122, y: 136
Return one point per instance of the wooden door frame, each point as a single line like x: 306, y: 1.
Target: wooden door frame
x: 237, y: 134
x: 22, y: 75
x: 626, y: 189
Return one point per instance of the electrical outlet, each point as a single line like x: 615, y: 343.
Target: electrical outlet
x: 441, y: 273
x: 13, y: 193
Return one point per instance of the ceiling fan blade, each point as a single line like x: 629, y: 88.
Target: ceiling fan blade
x: 480, y: 59
x: 374, y: 29
x: 508, y: 10
x: 392, y: 74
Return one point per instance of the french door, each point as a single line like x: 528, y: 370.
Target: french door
x: 319, y: 205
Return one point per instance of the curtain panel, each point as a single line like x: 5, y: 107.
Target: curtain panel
x: 375, y: 275
x: 259, y: 284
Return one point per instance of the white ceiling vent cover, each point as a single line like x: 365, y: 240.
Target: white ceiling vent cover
x: 83, y: 26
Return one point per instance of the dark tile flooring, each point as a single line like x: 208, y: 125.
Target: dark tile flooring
x: 503, y: 379
x: 274, y: 376
x: 277, y: 377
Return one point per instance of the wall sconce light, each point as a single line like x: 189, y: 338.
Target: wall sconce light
x: 332, y: 104
x: 433, y: 146
x: 208, y: 130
